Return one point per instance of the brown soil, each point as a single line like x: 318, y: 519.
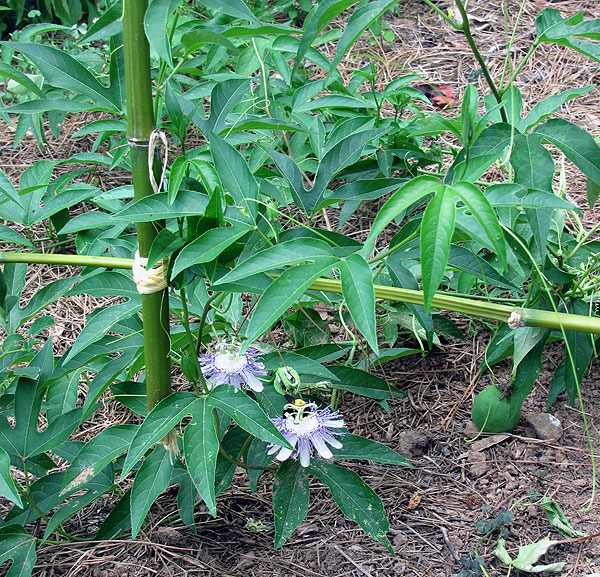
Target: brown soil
x: 434, y: 507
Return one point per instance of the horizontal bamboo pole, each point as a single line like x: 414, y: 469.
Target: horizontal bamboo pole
x: 442, y: 301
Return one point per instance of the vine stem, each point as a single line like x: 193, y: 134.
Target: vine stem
x: 465, y: 27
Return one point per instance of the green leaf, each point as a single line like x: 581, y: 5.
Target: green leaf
x: 480, y: 208
x: 413, y: 191
x: 246, y: 413
x: 545, y: 108
x: 528, y: 556
x: 355, y: 498
x: 577, y: 145
x: 157, y: 207
x: 358, y: 291
x: 40, y: 300
x: 63, y: 71
x: 551, y: 27
x: 286, y: 253
x: 465, y: 260
x: 18, y: 545
x: 178, y: 171
x: 234, y: 174
x: 118, y: 520
x: 291, y: 494
x: 156, y: 27
x: 533, y: 164
x: 235, y: 8
x: 165, y: 244
x: 285, y: 291
x: 208, y: 246
x: 345, y: 153
x: 8, y: 489
x: 310, y: 371
x: 582, y: 348
x: 8, y: 71
x: 557, y: 518
x: 201, y: 449
x: 198, y: 38
x: 7, y: 234
x: 131, y: 394
x: 160, y: 420
x: 100, y: 324
x: 355, y: 447
x: 93, y: 490
x: 150, y: 481
x: 224, y: 97
x: 362, y: 383
x: 436, y: 237
x: 360, y: 20
x: 316, y: 21
x: 67, y: 11
x: 106, y: 26
x: 592, y: 190
x: 258, y: 457
x: 486, y: 149
x: 96, y: 454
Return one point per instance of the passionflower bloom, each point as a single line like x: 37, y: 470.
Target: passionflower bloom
x: 307, y: 429
x: 227, y: 366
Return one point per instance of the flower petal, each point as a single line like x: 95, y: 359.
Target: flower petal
x: 252, y: 381
x: 321, y: 447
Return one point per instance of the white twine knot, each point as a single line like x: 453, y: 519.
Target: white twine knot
x: 515, y: 320
x: 149, y: 281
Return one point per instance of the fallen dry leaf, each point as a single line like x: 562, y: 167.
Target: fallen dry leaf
x: 440, y: 95
x: 414, y: 502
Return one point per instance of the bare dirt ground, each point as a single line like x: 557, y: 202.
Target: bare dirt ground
x: 434, y: 508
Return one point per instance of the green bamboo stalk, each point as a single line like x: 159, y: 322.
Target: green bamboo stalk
x: 442, y: 301
x: 140, y: 124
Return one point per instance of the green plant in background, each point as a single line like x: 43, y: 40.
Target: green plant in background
x: 273, y: 153
x: 15, y: 14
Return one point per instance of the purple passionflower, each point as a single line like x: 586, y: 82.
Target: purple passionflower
x: 227, y: 366
x: 307, y: 429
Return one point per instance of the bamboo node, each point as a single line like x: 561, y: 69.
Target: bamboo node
x: 141, y: 142
x: 149, y: 281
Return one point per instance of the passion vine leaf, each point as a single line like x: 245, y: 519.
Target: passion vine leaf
x: 577, y: 145
x: 209, y: 246
x: 355, y: 498
x: 201, y: 449
x: 407, y: 195
x: 436, y: 238
x: 284, y: 291
x: 17, y: 544
x: 160, y: 420
x: 96, y: 454
x: 356, y: 447
x: 291, y: 494
x: 8, y: 488
x: 150, y: 481
x: 283, y: 254
x: 63, y: 71
x: 246, y: 412
x: 358, y: 291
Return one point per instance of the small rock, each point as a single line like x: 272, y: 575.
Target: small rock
x: 545, y: 426
x: 413, y: 443
x: 479, y: 465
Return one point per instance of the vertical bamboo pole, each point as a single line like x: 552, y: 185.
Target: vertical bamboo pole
x: 140, y: 123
